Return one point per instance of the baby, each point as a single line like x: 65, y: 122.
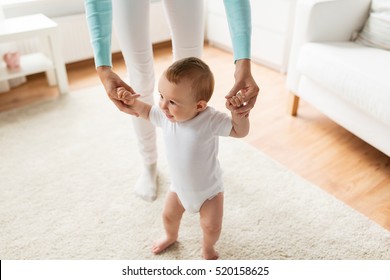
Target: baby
x: 191, y: 129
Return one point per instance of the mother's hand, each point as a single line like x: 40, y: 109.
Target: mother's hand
x: 246, y: 85
x: 111, y: 82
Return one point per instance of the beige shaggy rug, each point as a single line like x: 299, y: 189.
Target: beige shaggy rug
x: 66, y: 176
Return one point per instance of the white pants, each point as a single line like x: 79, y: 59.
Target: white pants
x: 131, y: 22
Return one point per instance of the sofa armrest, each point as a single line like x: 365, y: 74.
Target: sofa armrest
x: 320, y: 21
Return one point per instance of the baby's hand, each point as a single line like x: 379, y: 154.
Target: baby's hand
x: 235, y: 102
x: 126, y: 96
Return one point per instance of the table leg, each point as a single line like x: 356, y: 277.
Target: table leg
x: 60, y: 70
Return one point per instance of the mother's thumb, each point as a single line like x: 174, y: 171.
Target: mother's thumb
x: 233, y: 91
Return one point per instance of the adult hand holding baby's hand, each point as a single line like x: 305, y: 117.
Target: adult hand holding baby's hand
x: 127, y: 98
x: 235, y: 102
x: 246, y: 85
x: 111, y: 82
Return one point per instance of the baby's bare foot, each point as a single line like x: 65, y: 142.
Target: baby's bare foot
x: 210, y: 254
x: 162, y: 244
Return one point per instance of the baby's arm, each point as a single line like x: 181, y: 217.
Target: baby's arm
x: 240, y: 123
x: 141, y: 108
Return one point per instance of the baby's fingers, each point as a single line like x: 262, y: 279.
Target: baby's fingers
x: 229, y: 105
x: 121, y: 92
x: 236, y: 101
x: 125, y: 94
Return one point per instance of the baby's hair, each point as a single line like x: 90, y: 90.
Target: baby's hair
x: 198, y: 72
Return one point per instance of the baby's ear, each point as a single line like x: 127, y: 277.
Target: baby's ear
x: 201, y: 105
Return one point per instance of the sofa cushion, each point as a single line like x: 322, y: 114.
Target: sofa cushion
x: 376, y: 30
x: 358, y: 74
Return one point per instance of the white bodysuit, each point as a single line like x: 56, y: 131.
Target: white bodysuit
x: 192, y: 153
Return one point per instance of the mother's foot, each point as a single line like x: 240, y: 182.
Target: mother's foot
x: 162, y: 244
x: 146, y: 185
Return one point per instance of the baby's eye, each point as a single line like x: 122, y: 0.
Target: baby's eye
x: 161, y: 97
x: 172, y: 102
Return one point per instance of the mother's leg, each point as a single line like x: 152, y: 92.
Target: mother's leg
x: 186, y: 21
x: 131, y: 22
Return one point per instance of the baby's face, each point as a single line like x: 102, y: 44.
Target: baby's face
x: 176, y: 100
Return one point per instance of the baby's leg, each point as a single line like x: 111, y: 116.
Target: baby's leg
x: 211, y: 214
x: 172, y: 213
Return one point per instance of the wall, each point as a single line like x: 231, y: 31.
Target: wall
x: 50, y: 8
x: 70, y: 17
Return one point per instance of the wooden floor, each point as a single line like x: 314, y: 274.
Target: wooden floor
x: 311, y: 145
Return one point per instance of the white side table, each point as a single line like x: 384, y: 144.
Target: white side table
x: 49, y: 60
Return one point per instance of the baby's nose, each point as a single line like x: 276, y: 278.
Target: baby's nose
x: 163, y: 104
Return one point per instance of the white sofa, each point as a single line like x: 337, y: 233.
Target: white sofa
x: 348, y: 82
